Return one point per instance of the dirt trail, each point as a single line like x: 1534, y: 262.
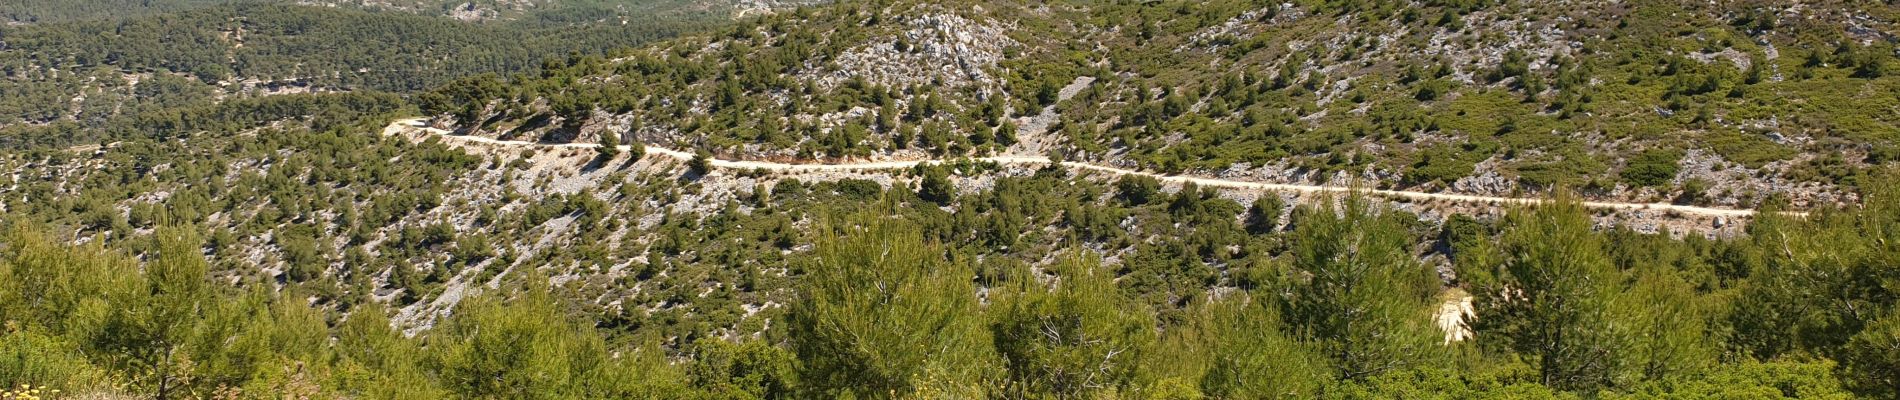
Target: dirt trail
x: 418, y: 124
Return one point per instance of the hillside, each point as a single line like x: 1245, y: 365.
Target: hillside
x: 1723, y: 104
x: 37, y: 11
x: 531, y: 11
x: 959, y: 199
x: 182, y: 53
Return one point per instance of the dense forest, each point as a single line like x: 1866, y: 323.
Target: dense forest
x: 168, y: 236
x: 529, y: 11
x: 34, y: 11
x: 89, y: 70
x: 316, y: 45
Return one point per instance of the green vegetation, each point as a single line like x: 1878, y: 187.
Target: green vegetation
x: 1415, y: 91
x: 171, y: 53
x: 66, y: 10
x: 1338, y: 307
x: 314, y: 46
x: 1204, y: 298
x: 322, y: 112
x: 1364, y: 294
x: 884, y: 312
x: 169, y: 332
x: 1652, y: 167
x: 182, y: 238
x: 881, y: 308
x: 543, y: 12
x: 1079, y: 338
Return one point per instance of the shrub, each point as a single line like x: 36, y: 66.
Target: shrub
x: 1652, y: 168
x: 701, y: 163
x: 1137, y: 189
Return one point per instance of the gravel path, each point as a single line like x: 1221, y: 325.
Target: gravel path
x: 418, y: 124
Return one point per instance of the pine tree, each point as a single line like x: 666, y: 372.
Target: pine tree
x: 753, y: 369
x: 1264, y: 215
x: 884, y: 313
x: 1561, y: 287
x: 1668, y: 321
x: 525, y: 347
x: 1365, y: 302
x: 1079, y: 339
x: 936, y: 186
x: 377, y: 362
x: 701, y: 163
x: 1254, y: 358
x: 1870, y: 362
x: 609, y: 145
x: 152, y: 325
x: 1137, y: 189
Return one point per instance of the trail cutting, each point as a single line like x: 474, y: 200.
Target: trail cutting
x: 652, y: 150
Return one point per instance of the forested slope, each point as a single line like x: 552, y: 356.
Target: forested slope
x: 1727, y: 103
x: 92, y: 69
x: 36, y: 11
x: 290, y: 246
x: 896, y: 299
x: 316, y: 46
x: 528, y: 11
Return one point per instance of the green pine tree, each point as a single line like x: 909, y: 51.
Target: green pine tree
x: 885, y: 314
x: 1366, y: 299
x: 1077, y: 339
x: 1557, y: 292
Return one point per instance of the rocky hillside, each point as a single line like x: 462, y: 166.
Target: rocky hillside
x: 248, y: 242
x: 1230, y: 90
x: 1729, y: 104
x: 846, y: 82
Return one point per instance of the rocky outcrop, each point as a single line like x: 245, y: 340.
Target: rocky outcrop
x: 938, y: 47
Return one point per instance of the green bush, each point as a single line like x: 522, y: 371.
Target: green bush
x: 1653, y: 167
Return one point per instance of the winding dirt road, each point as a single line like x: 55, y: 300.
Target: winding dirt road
x: 419, y: 124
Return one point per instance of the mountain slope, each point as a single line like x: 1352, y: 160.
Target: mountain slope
x: 528, y: 11
x: 1655, y: 100
x: 865, y: 200
x: 88, y: 70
